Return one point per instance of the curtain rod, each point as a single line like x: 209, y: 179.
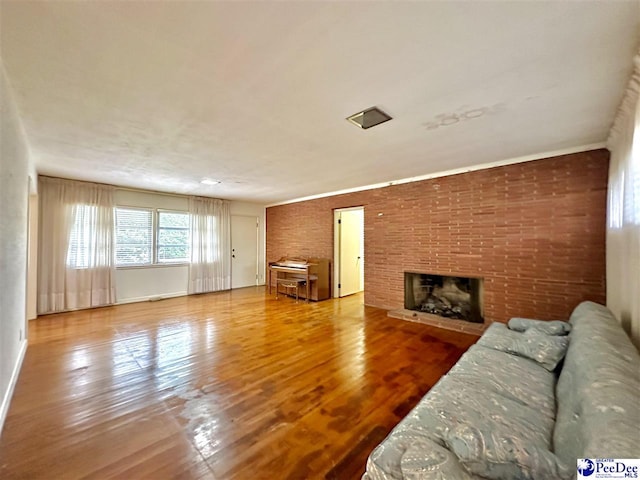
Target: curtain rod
x: 132, y: 189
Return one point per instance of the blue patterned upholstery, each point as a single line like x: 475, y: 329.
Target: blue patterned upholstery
x: 534, y: 344
x: 598, y: 392
x: 502, y: 416
x: 518, y: 379
x: 551, y: 327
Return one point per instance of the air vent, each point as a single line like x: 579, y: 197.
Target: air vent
x: 369, y: 118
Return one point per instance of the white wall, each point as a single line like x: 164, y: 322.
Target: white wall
x: 15, y: 168
x: 143, y: 283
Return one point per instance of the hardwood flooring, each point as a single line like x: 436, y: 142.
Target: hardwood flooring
x: 230, y: 385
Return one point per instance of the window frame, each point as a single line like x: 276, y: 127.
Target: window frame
x: 156, y: 232
x: 155, y: 225
x: 115, y: 228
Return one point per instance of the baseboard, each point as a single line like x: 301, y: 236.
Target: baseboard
x: 153, y: 298
x: 150, y: 298
x: 6, y: 401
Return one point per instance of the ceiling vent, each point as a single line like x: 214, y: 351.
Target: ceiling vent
x: 369, y: 118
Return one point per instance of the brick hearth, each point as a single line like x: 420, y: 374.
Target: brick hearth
x: 436, y: 321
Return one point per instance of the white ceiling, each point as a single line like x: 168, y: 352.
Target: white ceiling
x: 160, y: 95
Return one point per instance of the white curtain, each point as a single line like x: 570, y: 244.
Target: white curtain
x: 623, y: 216
x: 210, y: 267
x: 76, y: 260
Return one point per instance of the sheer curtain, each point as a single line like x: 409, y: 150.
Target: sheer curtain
x: 623, y: 216
x: 76, y: 249
x: 210, y: 267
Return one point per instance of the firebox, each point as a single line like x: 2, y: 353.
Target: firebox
x: 453, y: 297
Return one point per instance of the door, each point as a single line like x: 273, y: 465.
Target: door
x: 244, y: 251
x: 349, y: 251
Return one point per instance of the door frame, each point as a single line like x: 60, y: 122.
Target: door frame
x: 337, y: 244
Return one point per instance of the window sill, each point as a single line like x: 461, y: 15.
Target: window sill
x: 153, y: 265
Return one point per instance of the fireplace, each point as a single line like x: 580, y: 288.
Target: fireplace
x: 458, y: 298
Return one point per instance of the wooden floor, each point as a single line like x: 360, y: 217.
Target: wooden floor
x: 233, y: 385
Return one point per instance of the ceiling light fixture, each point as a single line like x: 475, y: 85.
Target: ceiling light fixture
x: 369, y: 118
x: 209, y: 181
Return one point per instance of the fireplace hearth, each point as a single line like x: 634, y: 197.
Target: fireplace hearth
x: 458, y: 298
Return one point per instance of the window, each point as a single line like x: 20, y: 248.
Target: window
x: 172, y: 242
x: 139, y: 244
x: 134, y: 236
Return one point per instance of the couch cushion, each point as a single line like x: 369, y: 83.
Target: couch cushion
x: 546, y: 350
x: 517, y: 378
x: 598, y: 390
x: 454, y: 402
x: 550, y: 327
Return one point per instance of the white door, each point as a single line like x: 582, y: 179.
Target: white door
x: 350, y: 251
x: 244, y: 251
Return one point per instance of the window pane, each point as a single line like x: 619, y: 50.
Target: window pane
x: 173, y: 254
x: 134, y: 236
x: 170, y: 219
x: 173, y: 237
x: 133, y: 255
x: 173, y: 244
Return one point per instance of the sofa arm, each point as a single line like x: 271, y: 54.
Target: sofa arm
x: 407, y: 454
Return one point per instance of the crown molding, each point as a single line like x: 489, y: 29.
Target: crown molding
x: 455, y: 171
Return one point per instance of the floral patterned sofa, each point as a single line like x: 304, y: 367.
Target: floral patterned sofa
x: 514, y: 408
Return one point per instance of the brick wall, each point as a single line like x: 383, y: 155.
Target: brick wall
x: 535, y: 231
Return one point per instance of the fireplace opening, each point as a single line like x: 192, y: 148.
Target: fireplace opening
x: 458, y: 298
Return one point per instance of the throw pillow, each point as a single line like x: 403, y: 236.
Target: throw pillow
x: 546, y: 350
x: 500, y: 455
x: 552, y: 327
